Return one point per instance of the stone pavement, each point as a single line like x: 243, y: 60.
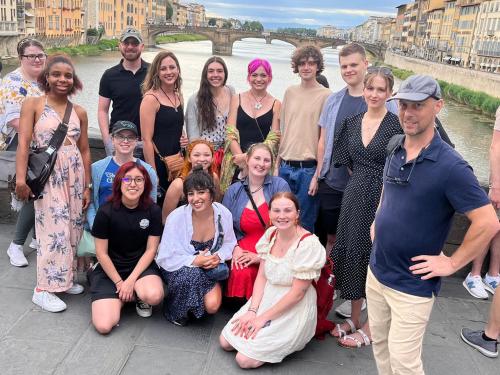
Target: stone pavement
x: 36, y: 342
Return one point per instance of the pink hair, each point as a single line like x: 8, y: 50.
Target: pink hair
x: 256, y: 64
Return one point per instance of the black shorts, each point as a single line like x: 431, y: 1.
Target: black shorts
x: 101, y: 286
x: 330, y: 202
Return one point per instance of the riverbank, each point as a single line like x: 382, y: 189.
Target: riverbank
x: 112, y: 45
x: 478, y: 90
x: 477, y: 100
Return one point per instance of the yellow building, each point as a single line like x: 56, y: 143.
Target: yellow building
x: 99, y: 14
x: 464, y: 31
x: 156, y: 11
x: 181, y: 15
x: 59, y: 18
x: 434, y: 25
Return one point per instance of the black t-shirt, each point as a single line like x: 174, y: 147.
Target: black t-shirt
x: 124, y: 89
x: 127, y: 231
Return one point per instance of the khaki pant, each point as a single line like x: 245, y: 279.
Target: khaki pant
x: 397, y: 324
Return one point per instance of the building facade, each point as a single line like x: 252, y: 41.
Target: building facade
x: 486, y: 46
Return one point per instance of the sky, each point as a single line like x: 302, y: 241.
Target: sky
x: 301, y: 13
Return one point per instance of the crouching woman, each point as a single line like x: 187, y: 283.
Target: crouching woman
x: 127, y: 231
x: 197, y: 240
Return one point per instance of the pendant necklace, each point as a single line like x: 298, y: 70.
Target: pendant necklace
x: 170, y: 100
x: 258, y: 102
x: 256, y: 190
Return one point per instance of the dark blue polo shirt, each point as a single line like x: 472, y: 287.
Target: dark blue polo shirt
x: 414, y: 218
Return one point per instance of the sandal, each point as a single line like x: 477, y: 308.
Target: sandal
x: 359, y: 344
x: 340, y: 332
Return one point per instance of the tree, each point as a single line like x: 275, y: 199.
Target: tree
x: 227, y: 24
x: 212, y: 22
x: 252, y: 26
x: 170, y: 11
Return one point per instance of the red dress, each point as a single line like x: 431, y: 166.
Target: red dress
x: 240, y: 282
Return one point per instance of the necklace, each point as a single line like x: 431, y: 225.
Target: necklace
x: 258, y: 102
x: 174, y: 103
x: 256, y: 190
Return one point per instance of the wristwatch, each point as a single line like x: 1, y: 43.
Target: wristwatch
x: 89, y: 186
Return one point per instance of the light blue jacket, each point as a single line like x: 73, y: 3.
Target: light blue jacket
x: 98, y: 169
x: 236, y: 199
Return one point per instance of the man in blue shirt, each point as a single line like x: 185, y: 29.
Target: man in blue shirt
x: 425, y: 182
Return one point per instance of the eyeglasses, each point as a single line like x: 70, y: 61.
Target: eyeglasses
x: 39, y: 56
x: 380, y: 69
x: 398, y: 180
x: 128, y: 138
x: 137, y: 180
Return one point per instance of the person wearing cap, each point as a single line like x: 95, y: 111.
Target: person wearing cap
x: 121, y: 84
x: 124, y: 139
x: 425, y: 181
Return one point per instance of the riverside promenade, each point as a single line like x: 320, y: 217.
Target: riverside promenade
x: 34, y: 342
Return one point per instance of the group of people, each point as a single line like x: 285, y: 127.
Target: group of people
x: 258, y: 178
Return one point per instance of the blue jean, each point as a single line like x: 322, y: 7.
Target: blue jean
x: 299, y: 180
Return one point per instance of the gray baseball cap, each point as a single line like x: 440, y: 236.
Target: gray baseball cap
x: 131, y: 33
x: 124, y: 125
x: 417, y: 88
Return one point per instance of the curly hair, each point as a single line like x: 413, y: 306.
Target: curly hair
x: 187, y: 166
x: 304, y: 53
x: 152, y: 80
x: 205, y: 98
x: 198, y: 179
x: 51, y: 61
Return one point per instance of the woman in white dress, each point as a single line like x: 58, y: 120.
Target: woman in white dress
x: 280, y: 317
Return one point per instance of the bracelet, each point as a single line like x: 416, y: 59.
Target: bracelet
x: 253, y: 309
x: 118, y: 282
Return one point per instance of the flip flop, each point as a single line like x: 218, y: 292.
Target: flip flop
x: 340, y: 332
x: 366, y: 340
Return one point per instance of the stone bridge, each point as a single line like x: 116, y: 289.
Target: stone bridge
x: 223, y: 39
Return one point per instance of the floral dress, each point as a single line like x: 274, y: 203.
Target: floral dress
x: 59, y: 214
x: 13, y: 90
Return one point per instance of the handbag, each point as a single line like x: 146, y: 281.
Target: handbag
x: 173, y: 163
x: 221, y: 272
x: 86, y: 246
x: 41, y: 161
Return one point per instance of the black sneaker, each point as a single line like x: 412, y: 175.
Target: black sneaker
x: 143, y: 309
x: 475, y: 339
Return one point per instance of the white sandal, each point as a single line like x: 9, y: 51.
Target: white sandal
x: 341, y: 332
x: 359, y: 344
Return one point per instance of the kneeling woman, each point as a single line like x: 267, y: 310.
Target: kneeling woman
x: 280, y: 318
x: 127, y: 231
x: 197, y: 240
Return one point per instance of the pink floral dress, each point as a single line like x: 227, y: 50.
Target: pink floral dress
x: 59, y: 214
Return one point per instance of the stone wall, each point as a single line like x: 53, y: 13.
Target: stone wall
x: 469, y: 78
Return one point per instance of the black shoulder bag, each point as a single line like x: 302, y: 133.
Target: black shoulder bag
x: 41, y: 161
x: 247, y: 190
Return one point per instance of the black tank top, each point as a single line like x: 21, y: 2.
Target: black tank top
x: 253, y: 130
x: 168, y: 129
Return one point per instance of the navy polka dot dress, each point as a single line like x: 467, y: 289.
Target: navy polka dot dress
x: 351, y: 252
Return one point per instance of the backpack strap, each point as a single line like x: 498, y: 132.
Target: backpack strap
x: 394, y: 142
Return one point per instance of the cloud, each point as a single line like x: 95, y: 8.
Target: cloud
x: 299, y: 10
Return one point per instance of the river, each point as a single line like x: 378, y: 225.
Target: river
x: 470, y: 131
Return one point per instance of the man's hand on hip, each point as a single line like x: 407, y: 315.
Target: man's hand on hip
x: 432, y: 266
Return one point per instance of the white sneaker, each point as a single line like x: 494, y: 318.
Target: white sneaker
x: 490, y: 283
x: 16, y: 255
x: 33, y: 244
x: 48, y: 301
x: 344, y: 310
x: 475, y: 286
x: 75, y: 289
x: 143, y: 309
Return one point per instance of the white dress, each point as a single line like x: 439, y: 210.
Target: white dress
x: 294, y: 329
